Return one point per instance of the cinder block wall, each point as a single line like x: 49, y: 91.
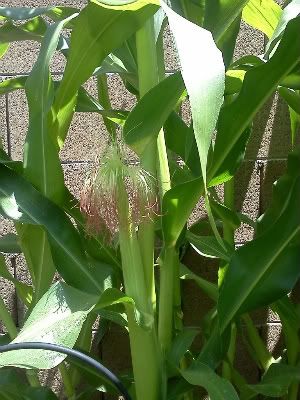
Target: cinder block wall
x: 265, y: 161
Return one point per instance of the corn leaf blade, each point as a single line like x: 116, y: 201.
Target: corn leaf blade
x: 57, y: 318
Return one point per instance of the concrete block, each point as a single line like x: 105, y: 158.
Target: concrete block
x: 75, y: 175
x: 21, y: 57
x: 18, y: 121
x: 170, y: 55
x: 120, y: 97
x: 6, y: 226
x: 43, y: 3
x: 249, y: 41
x: 185, y: 112
x: 270, y: 136
x: 274, y: 338
x: 247, y: 185
x: 115, y: 349
x: 263, y: 316
x: 86, y: 138
x: 3, y: 127
x: 52, y: 379
x: 244, y: 362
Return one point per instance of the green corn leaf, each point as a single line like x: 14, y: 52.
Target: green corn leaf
x: 23, y: 13
x: 181, y: 140
x: 85, y: 102
x: 225, y: 214
x: 41, y: 160
x: 14, y: 387
x: 89, y: 48
x: 10, y: 85
x: 263, y: 15
x: 276, y: 381
x: 21, y: 202
x: 295, y: 125
x: 281, y: 195
x: 181, y: 344
x: 258, y: 281
x: 292, y: 81
x: 208, y: 246
x: 234, y: 80
x: 221, y: 14
x: 209, y: 288
x: 178, y: 387
x: 57, y: 318
x: 292, y: 97
x: 287, y: 312
x: 291, y: 11
x: 290, y: 320
x: 177, y: 205
x: 204, y: 78
x: 31, y: 30
x: 3, y: 48
x: 112, y: 296
x: 202, y: 375
x: 119, y: 318
x: 42, y: 393
x: 148, y: 116
x: 235, y: 118
x: 36, y: 249
x: 9, y: 243
x: 24, y: 291
x: 228, y: 39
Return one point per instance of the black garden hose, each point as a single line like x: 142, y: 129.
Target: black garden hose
x: 73, y: 353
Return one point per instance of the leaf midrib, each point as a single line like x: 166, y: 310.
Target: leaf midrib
x: 254, y: 283
x: 75, y: 260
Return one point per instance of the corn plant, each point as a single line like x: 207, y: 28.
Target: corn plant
x: 119, y: 248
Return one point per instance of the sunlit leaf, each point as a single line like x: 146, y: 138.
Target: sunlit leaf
x: 89, y: 47
x: 218, y: 388
x: 255, y: 281
x: 57, y: 318
x: 203, y: 73
x: 148, y: 116
x: 291, y: 11
x: 22, y: 203
x: 263, y: 15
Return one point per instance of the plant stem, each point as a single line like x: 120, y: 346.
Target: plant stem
x: 228, y: 234
x: 228, y: 231
x: 12, y: 332
x: 293, y: 391
x: 143, y: 340
x: 292, y: 342
x: 228, y: 364
x: 148, y: 77
x: 178, y: 321
x: 104, y: 100
x: 66, y: 378
x: 163, y: 165
x: 166, y: 299
x: 264, y: 356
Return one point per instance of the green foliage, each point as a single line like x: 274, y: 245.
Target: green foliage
x: 184, y: 159
x: 57, y: 317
